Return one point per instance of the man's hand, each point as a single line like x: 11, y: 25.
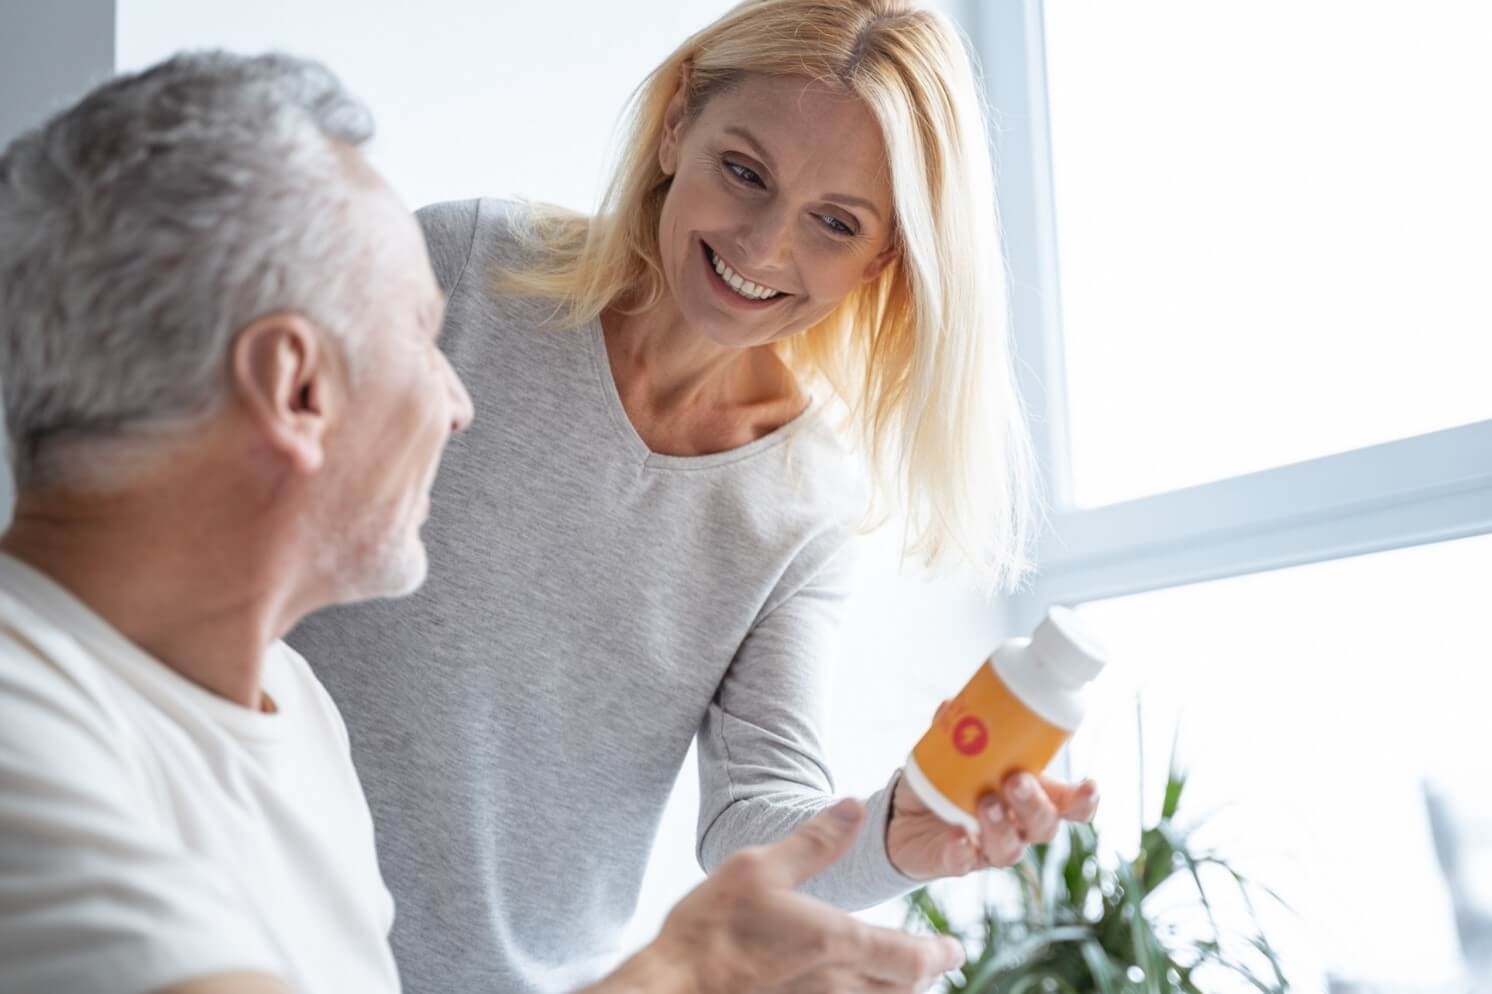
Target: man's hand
x: 1027, y: 809
x: 745, y: 929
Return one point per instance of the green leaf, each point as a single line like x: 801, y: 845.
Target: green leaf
x: 1157, y: 859
x: 1187, y: 984
x: 1175, y: 784
x: 1081, y: 924
x: 1018, y: 955
x: 1107, y: 977
x: 1242, y: 971
x: 1080, y: 856
x: 1262, y: 945
x: 1175, y: 777
x: 925, y: 908
x: 1192, y: 864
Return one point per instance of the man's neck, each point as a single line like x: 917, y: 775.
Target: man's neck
x: 174, y: 577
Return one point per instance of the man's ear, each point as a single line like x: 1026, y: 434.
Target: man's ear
x: 283, y: 375
x: 673, y: 123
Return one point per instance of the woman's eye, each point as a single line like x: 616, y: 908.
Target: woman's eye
x: 835, y: 225
x: 744, y: 174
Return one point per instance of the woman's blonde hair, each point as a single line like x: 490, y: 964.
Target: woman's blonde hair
x: 920, y: 356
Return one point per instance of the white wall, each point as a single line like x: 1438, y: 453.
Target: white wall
x: 470, y: 97
x: 50, y: 54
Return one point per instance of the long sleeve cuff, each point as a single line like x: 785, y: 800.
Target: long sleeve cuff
x: 865, y: 876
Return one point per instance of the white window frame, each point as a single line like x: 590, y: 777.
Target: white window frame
x: 1427, y: 488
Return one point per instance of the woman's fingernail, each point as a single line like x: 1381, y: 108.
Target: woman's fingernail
x: 1024, y: 787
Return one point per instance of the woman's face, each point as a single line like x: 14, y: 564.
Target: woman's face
x: 780, y: 206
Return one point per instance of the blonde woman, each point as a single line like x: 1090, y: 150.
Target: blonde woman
x: 643, y: 539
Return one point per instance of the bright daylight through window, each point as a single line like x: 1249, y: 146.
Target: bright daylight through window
x: 1272, y: 231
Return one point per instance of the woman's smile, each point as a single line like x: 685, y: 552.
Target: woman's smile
x: 733, y: 287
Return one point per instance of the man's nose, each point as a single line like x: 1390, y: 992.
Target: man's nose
x: 462, y: 410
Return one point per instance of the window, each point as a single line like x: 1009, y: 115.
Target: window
x: 1271, y: 229
x: 1320, y: 745
x: 1248, y: 252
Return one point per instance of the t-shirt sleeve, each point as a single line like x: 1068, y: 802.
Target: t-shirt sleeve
x: 762, y: 770
x: 450, y: 230
x: 95, y: 895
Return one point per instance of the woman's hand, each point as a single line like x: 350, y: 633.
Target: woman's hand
x: 1028, y: 808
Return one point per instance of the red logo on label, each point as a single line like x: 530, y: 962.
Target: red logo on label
x: 970, y: 736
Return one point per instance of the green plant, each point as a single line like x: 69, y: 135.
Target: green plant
x: 1082, y: 926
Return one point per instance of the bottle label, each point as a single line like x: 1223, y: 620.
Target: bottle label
x: 970, y: 736
x: 983, y: 736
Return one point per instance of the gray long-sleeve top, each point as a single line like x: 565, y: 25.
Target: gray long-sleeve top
x: 592, y: 606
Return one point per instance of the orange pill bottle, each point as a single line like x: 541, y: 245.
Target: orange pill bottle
x: 1015, y: 714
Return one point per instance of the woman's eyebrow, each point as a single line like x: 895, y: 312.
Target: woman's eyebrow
x: 849, y: 199
x: 854, y: 201
x: 756, y: 146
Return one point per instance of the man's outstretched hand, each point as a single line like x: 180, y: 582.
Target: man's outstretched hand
x: 746, y: 929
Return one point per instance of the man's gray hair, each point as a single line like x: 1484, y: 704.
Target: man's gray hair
x: 144, y: 225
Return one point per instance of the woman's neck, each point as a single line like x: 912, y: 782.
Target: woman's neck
x: 688, y: 395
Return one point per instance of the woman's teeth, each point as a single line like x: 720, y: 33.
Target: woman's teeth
x: 744, y: 287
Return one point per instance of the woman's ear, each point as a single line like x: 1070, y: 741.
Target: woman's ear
x: 282, y: 375
x: 883, y: 258
x: 673, y: 122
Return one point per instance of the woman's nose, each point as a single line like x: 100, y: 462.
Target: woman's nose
x: 765, y: 239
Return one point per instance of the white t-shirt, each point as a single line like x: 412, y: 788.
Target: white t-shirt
x: 151, y: 831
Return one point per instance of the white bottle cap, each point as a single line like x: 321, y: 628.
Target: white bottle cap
x: 1071, y: 655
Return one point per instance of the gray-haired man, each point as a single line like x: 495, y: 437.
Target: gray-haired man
x: 226, y: 405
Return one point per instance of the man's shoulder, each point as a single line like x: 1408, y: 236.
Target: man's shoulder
x: 44, y: 671
x: 82, y: 791
x: 290, y: 676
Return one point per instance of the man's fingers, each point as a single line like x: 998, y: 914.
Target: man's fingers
x: 815, y: 844
x: 904, y: 960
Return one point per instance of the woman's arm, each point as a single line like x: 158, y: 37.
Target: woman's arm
x: 762, y: 769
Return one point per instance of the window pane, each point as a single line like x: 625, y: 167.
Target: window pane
x: 1274, y: 231
x: 1334, y: 722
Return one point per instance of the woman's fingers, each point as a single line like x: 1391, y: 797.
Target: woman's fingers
x: 1000, y: 841
x: 965, y: 855
x: 1028, y: 809
x: 1028, y: 805
x: 1074, y: 802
